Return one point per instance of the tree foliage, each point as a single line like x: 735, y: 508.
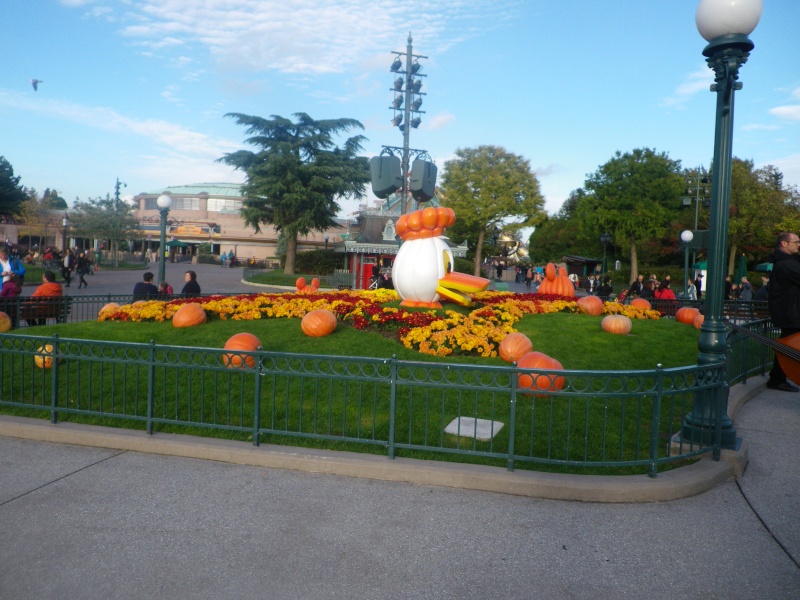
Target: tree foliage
x: 298, y: 173
x: 490, y: 187
x: 633, y: 196
x: 106, y: 218
x: 760, y: 207
x: 12, y: 194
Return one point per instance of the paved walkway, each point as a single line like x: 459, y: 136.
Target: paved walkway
x: 92, y: 522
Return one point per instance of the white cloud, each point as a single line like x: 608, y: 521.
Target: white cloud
x: 759, y: 126
x: 698, y: 81
x: 440, y: 121
x: 790, y: 167
x: 305, y: 36
x: 174, y: 137
x: 789, y: 112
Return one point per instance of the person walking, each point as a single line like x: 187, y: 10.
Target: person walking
x: 67, y: 265
x: 82, y: 267
x: 784, y: 299
x: 528, y: 277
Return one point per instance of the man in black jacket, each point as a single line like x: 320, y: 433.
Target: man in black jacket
x: 784, y: 299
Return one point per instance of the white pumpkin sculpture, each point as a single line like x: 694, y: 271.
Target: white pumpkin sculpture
x: 423, y: 270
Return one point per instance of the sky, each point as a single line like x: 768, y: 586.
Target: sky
x: 137, y: 90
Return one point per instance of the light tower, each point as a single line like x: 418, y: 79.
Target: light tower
x: 388, y: 173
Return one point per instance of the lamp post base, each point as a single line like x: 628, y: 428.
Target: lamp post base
x: 700, y: 426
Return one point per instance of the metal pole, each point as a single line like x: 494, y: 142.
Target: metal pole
x: 407, y: 207
x: 724, y: 54
x: 685, y: 271
x: 163, y: 246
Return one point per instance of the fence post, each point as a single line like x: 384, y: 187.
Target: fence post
x: 652, y: 470
x: 512, y: 417
x: 54, y: 380
x: 392, y: 402
x: 721, y: 409
x: 257, y: 400
x: 151, y: 384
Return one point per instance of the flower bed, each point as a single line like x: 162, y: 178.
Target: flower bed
x: 443, y: 332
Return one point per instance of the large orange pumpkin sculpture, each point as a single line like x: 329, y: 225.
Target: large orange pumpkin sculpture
x: 242, y: 342
x: 527, y: 382
x: 514, y: 346
x: 318, y: 323
x: 189, y: 315
x: 559, y: 285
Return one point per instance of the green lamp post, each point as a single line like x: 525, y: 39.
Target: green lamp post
x: 725, y: 24
x: 686, y: 237
x: 605, y: 239
x: 164, y: 202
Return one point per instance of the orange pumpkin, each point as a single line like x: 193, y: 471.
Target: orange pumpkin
x: 698, y: 321
x: 318, y: 323
x: 590, y: 305
x: 44, y: 356
x: 189, y: 315
x: 429, y: 217
x: 550, y: 271
x: 5, y: 322
x: 545, y: 382
x: 514, y: 346
x: 641, y: 303
x: 243, y: 342
x: 618, y: 324
x: 110, y: 307
x: 686, y: 315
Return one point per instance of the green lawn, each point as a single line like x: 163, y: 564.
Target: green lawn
x: 322, y: 403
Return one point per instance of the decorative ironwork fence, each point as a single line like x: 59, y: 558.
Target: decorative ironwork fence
x: 597, y: 419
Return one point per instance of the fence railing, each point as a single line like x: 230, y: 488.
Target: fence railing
x: 597, y: 419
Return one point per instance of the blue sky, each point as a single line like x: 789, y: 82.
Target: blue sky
x: 138, y: 89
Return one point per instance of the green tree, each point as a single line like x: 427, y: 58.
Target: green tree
x: 106, y: 218
x: 633, y: 196
x: 560, y: 234
x: 53, y: 201
x: 37, y: 218
x: 12, y: 194
x: 298, y: 173
x: 489, y: 187
x: 761, y: 205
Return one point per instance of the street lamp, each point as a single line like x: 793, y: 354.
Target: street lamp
x: 686, y: 237
x: 164, y: 201
x: 605, y: 239
x: 725, y: 24
x: 327, y: 237
x: 65, y: 223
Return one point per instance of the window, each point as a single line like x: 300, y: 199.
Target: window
x: 224, y: 205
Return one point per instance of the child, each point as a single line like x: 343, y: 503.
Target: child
x: 165, y: 288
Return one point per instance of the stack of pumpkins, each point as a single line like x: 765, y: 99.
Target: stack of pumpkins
x: 518, y: 347
x: 556, y: 282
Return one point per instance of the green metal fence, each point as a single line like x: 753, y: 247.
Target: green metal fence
x: 598, y: 419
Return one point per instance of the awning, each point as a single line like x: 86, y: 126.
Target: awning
x: 701, y: 266
x: 177, y: 244
x: 764, y: 267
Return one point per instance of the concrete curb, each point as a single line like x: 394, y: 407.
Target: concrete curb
x: 677, y: 483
